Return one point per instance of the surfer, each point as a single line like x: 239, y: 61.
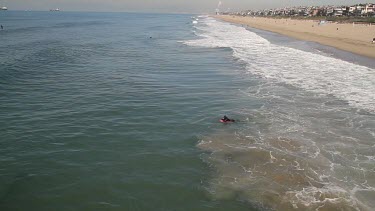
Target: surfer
x: 226, y: 119
x: 2, y: 27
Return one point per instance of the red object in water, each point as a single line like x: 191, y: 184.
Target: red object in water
x: 226, y: 121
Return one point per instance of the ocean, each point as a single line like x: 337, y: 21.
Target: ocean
x: 120, y: 111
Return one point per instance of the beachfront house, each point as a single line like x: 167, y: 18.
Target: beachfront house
x: 351, y: 10
x: 337, y: 12
x: 330, y: 11
x: 370, y: 9
x: 315, y: 12
x: 360, y: 10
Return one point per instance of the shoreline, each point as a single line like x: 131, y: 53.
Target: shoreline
x: 348, y: 37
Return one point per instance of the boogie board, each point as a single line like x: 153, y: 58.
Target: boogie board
x: 228, y: 121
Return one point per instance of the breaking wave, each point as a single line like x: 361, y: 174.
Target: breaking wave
x: 310, y: 71
x: 310, y: 143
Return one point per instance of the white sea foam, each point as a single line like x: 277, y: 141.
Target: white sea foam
x: 311, y: 71
x: 300, y: 149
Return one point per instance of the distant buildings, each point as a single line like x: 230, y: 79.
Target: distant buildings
x: 367, y: 10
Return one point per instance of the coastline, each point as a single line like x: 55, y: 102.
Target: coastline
x: 348, y: 37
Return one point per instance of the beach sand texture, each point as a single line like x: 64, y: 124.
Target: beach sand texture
x: 355, y: 38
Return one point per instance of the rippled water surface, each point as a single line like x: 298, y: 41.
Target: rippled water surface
x: 309, y: 144
x: 119, y: 111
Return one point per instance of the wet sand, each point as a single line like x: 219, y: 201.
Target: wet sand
x: 355, y: 38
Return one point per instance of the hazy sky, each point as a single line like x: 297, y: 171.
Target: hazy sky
x: 178, y: 6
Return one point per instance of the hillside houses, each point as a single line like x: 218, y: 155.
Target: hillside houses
x: 367, y: 10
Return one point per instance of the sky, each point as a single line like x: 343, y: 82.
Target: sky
x: 164, y: 6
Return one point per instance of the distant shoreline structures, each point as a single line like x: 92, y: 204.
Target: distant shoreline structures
x: 362, y: 12
x: 52, y: 10
x: 351, y: 37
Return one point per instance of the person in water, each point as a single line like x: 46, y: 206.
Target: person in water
x: 226, y: 119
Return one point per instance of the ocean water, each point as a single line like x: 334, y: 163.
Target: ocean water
x: 119, y: 111
x: 308, y: 138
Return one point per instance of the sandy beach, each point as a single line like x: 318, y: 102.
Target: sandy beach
x: 355, y: 38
